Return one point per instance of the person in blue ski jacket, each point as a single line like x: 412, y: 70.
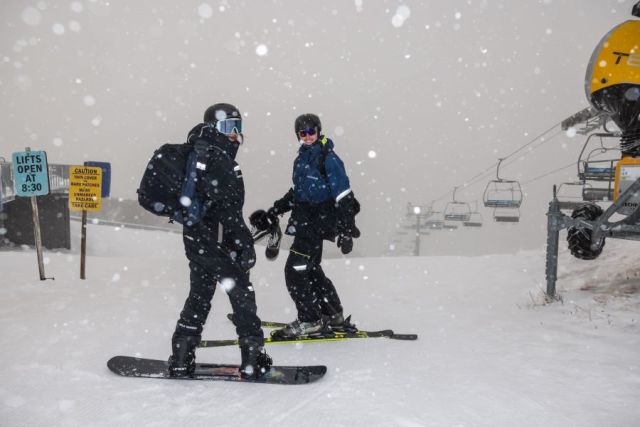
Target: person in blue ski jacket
x: 323, y: 207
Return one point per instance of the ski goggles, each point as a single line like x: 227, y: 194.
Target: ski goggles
x: 229, y: 126
x: 304, y: 132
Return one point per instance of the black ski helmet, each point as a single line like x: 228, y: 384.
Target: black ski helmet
x: 307, y: 121
x: 221, y: 111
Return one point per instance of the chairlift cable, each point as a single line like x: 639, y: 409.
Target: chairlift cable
x: 536, y: 147
x: 481, y: 175
x: 550, y: 173
x: 533, y: 140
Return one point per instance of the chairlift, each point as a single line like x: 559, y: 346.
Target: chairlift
x: 571, y: 194
x: 502, y: 193
x: 599, y: 172
x: 456, y: 210
x: 506, y: 215
x: 475, y: 219
x: 433, y: 220
x: 591, y: 167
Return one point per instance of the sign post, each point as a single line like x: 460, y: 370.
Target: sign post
x: 31, y: 178
x: 85, y: 194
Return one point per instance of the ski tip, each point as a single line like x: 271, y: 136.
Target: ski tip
x: 115, y: 359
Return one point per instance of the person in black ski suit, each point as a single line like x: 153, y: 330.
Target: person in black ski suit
x: 219, y: 247
x: 323, y: 208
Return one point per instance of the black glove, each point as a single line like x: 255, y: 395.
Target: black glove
x: 283, y: 205
x: 263, y: 220
x: 345, y: 243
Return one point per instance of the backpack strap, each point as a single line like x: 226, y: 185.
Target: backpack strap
x: 194, y: 171
x: 325, y: 150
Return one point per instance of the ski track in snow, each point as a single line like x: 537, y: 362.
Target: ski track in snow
x: 489, y: 352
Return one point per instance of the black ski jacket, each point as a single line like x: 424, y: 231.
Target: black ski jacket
x: 223, y: 189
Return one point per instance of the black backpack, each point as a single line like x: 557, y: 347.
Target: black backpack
x: 168, y: 185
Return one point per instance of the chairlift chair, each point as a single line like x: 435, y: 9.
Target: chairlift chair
x: 475, y: 219
x: 502, y: 193
x: 571, y: 194
x: 592, y: 168
x: 434, y: 221
x: 456, y: 210
x: 506, y: 215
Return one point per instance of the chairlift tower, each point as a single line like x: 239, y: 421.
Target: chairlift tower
x: 417, y: 212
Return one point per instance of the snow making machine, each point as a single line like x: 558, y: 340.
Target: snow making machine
x: 612, y: 85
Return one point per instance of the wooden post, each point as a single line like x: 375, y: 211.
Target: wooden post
x: 83, y: 245
x: 37, y: 236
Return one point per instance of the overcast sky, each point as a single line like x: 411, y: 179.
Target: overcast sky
x: 419, y: 96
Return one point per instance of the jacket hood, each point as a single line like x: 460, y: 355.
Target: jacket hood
x: 214, y: 138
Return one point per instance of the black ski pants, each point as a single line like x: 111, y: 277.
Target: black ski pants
x: 209, y: 265
x: 312, y: 291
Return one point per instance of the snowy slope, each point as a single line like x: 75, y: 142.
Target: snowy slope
x: 489, y: 353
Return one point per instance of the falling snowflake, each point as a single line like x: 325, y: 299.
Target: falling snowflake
x: 205, y: 11
x: 89, y: 100
x: 262, y: 50
x: 31, y: 16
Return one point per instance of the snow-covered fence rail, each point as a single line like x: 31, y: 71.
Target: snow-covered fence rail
x: 7, y: 192
x: 59, y: 178
x: 168, y: 228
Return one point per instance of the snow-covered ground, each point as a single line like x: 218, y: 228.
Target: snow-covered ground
x: 489, y: 353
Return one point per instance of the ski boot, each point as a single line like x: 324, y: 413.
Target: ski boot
x: 337, y: 323
x: 182, y: 363
x: 298, y: 328
x: 255, y: 361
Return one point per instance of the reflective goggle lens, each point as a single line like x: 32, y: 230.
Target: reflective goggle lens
x: 305, y: 132
x: 229, y: 126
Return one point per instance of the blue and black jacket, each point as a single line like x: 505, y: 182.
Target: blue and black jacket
x: 320, y: 182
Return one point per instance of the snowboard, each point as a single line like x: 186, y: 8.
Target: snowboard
x: 128, y: 366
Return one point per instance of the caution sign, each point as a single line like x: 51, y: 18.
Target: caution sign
x: 85, y: 188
